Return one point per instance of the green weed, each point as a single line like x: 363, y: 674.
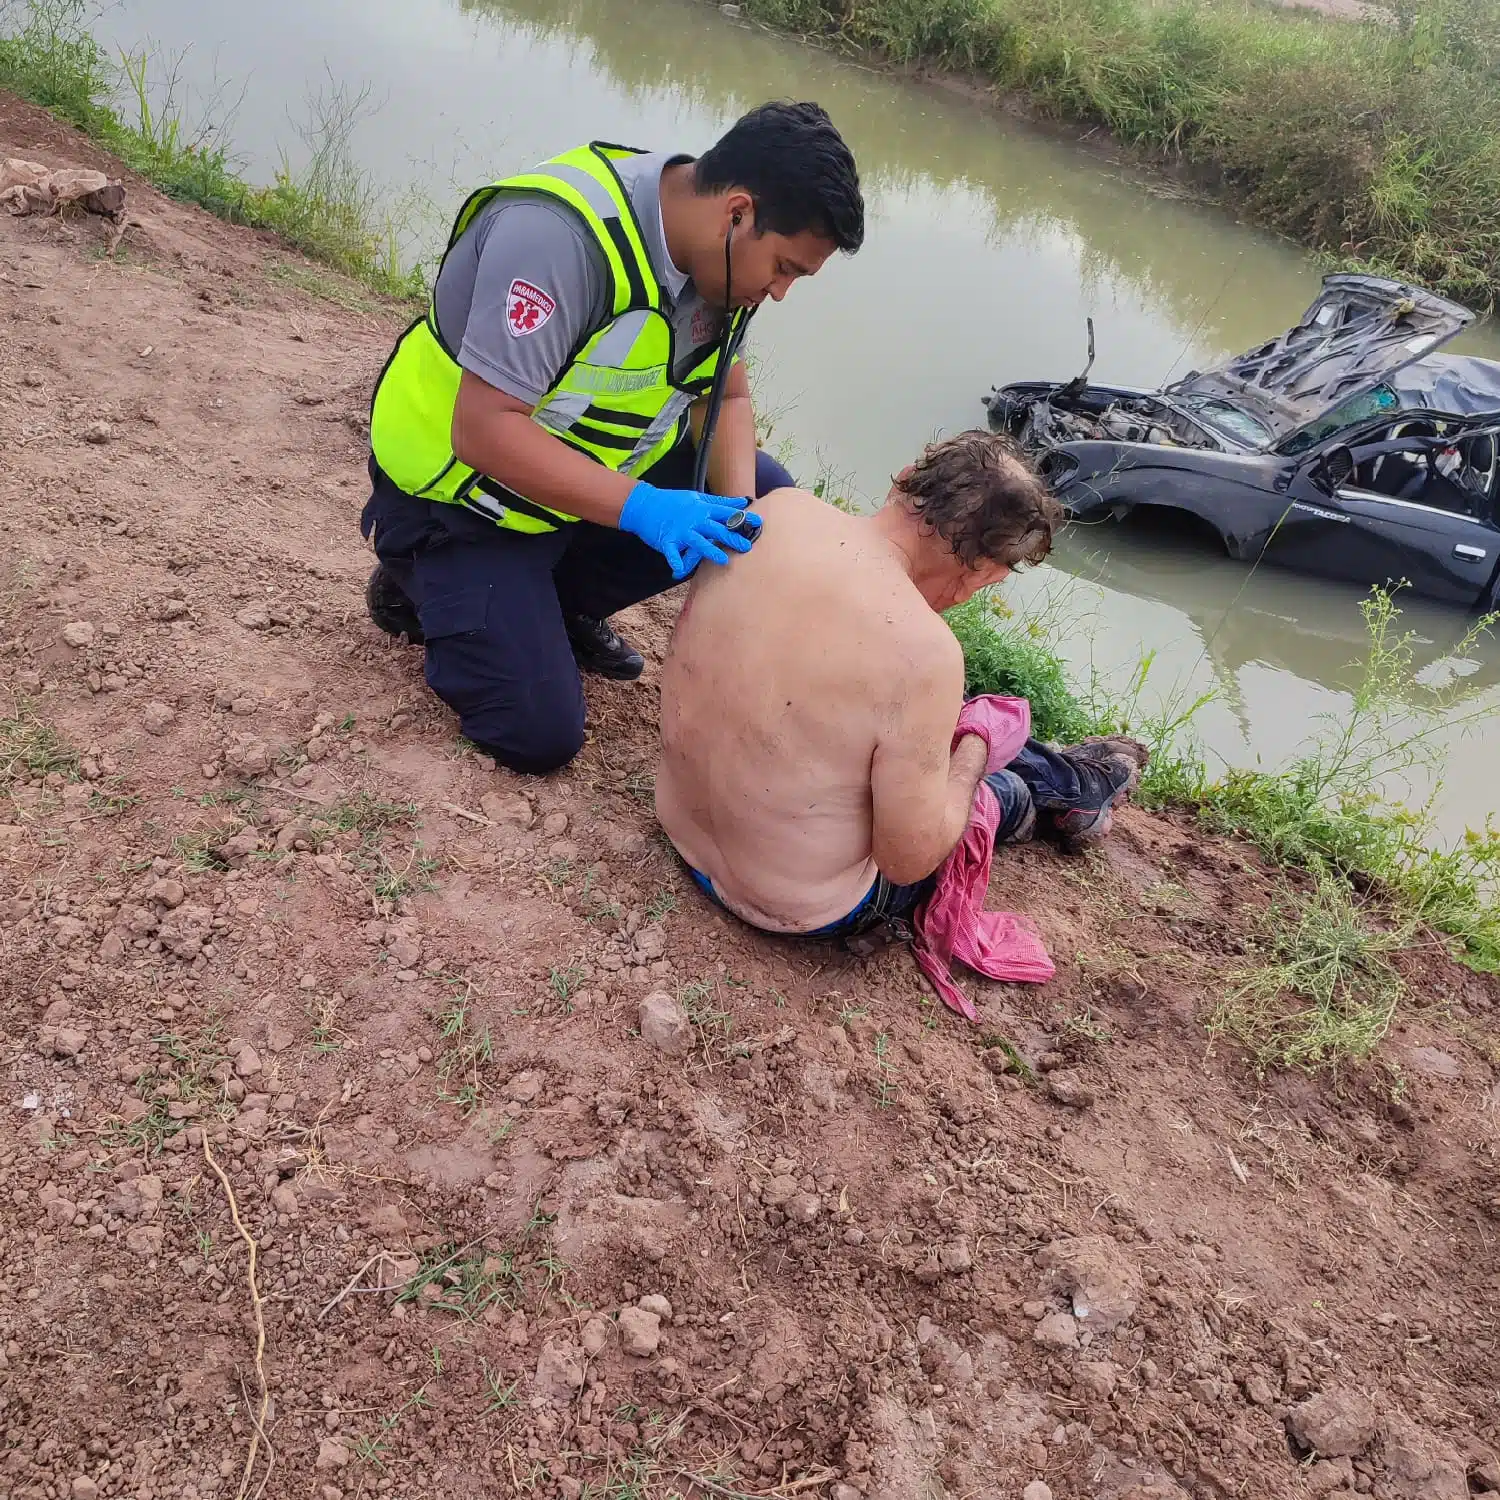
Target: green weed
x: 1373, y: 142
x: 329, y: 209
x: 1326, y: 991
x: 885, y: 1072
x: 30, y: 749
x: 464, y: 1280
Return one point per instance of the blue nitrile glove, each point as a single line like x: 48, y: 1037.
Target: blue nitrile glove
x: 685, y: 526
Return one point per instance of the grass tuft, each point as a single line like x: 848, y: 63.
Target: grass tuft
x: 1374, y: 141
x: 1327, y: 990
x: 328, y: 209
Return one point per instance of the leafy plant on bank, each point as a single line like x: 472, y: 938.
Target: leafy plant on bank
x: 1375, y: 141
x: 328, y: 208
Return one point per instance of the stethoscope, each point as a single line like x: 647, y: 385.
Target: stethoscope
x: 729, y: 341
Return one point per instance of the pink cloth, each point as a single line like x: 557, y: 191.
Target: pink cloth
x: 952, y: 923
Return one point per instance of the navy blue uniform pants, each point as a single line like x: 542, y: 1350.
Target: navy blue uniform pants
x: 492, y: 603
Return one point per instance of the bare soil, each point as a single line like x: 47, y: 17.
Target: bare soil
x: 262, y: 913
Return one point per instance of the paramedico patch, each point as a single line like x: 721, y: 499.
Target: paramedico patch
x: 527, y: 307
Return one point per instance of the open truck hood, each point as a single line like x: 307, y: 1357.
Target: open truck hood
x: 1359, y: 332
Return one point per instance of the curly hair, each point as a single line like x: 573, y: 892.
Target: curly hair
x: 984, y: 498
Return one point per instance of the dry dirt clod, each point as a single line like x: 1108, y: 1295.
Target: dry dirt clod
x: 559, y: 1372
x: 664, y: 1024
x: 332, y: 1454
x: 509, y: 809
x: 1037, y: 1490
x: 1102, y: 1280
x: 158, y: 717
x: 1336, y: 1423
x: 640, y: 1332
x: 1069, y: 1089
x: 956, y: 1257
x: 254, y: 617
x: 98, y: 433
x: 596, y: 1335
x: 1057, y: 1331
x: 85, y: 1488
x: 654, y: 1302
x: 78, y: 634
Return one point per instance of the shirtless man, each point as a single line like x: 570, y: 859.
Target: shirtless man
x: 812, y: 688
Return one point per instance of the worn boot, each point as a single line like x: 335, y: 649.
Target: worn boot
x: 390, y: 609
x: 598, y: 647
x: 1108, y: 768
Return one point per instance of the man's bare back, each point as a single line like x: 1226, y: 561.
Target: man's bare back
x: 788, y: 671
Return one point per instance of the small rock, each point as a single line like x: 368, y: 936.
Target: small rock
x: 778, y: 1190
x: 1097, y: 1376
x: 654, y: 1302
x: 254, y: 617
x: 508, y: 808
x: 1104, y: 1283
x: 524, y: 1087
x: 1330, y: 1474
x: 1338, y: 1423
x: 158, y: 717
x: 67, y: 1042
x: 803, y: 1208
x: 554, y: 825
x: 168, y: 892
x: 247, y: 1062
x: 596, y: 1335
x: 559, y: 1372
x: 98, y: 433
x: 240, y: 845
x: 169, y: 609
x: 1057, y: 1331
x: 284, y: 1199
x: 249, y: 758
x: 1205, y: 1390
x: 664, y: 1024
x: 84, y: 1488
x: 1036, y: 1490
x: 843, y: 1491
x: 640, y: 1332
x: 650, y: 944
x: 1259, y: 1391
x: 144, y: 1240
x: 78, y: 634
x: 111, y: 948
x: 1069, y: 1089
x: 332, y: 1454
x: 956, y: 1257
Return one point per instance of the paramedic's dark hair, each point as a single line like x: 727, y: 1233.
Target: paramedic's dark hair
x: 983, y: 497
x: 796, y: 167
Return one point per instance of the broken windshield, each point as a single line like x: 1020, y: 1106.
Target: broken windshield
x: 1361, y: 408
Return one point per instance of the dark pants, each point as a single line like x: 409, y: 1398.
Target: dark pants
x: 492, y: 602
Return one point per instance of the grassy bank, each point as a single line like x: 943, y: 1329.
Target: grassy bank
x: 1374, y: 142
x: 328, y: 209
x: 1325, y: 985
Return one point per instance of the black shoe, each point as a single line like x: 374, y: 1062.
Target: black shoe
x: 390, y: 609
x: 597, y: 647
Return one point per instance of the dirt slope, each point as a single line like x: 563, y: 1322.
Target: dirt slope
x: 815, y: 1238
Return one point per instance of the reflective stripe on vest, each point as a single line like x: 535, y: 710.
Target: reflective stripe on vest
x: 615, y: 400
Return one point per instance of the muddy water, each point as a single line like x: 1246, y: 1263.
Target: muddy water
x: 989, y: 244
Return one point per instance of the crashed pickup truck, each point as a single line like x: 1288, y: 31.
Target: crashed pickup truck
x: 1346, y: 447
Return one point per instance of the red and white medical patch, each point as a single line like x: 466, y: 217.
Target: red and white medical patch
x: 705, y: 326
x: 527, y: 307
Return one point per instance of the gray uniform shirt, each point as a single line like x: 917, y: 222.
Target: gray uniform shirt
x: 517, y: 341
